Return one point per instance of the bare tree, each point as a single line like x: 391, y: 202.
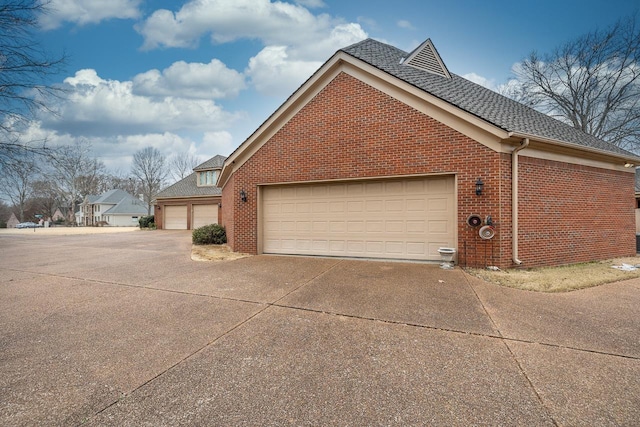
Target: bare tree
x: 5, y: 214
x: 74, y: 171
x: 182, y: 164
x: 123, y: 181
x: 592, y: 83
x: 24, y: 69
x: 16, y: 181
x: 149, y: 169
x: 45, y: 197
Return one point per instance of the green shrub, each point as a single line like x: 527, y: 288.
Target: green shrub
x: 213, y: 234
x: 147, y: 222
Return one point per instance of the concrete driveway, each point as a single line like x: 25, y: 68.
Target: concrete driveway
x: 124, y: 329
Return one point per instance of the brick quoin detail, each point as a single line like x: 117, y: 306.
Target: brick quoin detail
x: 351, y: 130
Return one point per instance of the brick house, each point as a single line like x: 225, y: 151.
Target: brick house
x: 193, y: 201
x: 386, y: 154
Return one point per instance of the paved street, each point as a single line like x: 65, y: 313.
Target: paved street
x: 126, y: 330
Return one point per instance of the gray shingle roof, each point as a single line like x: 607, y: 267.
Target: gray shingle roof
x: 187, y: 187
x: 128, y: 206
x: 215, y: 162
x: 490, y: 106
x: 112, y: 197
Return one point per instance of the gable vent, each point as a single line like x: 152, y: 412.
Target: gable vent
x: 425, y: 57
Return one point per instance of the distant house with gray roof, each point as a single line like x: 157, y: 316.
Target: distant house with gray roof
x: 192, y: 202
x: 114, y: 208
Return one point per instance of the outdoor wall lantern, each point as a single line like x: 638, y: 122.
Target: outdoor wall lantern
x: 479, y: 185
x: 243, y: 196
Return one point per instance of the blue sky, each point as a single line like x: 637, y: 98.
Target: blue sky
x: 201, y: 76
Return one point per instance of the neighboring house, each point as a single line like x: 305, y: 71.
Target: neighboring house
x: 193, y: 201
x: 115, y: 208
x: 57, y: 216
x: 12, y: 221
x: 386, y: 154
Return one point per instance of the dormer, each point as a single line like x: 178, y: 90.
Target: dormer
x: 207, y: 178
x: 208, y: 172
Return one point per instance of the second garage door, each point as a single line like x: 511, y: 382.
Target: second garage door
x: 175, y: 217
x: 393, y: 219
x: 204, y: 215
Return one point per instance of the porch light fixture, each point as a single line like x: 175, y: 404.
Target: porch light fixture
x: 243, y: 196
x: 479, y: 185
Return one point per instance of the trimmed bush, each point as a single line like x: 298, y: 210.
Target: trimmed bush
x: 147, y: 222
x: 212, y: 234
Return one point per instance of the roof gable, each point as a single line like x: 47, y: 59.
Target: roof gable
x: 480, y: 113
x: 215, y: 162
x: 425, y: 57
x: 483, y: 103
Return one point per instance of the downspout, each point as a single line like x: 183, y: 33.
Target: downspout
x: 514, y: 198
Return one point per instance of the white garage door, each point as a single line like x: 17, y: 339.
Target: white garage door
x: 175, y: 217
x: 395, y: 219
x: 204, y: 215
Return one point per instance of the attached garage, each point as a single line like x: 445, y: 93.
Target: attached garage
x: 175, y: 218
x: 385, y: 154
x: 193, y: 201
x: 204, y: 215
x: 392, y: 219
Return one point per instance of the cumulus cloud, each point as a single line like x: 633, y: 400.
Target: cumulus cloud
x: 95, y: 106
x: 83, y: 12
x: 283, y: 64
x: 190, y: 80
x: 273, y: 73
x: 482, y: 81
x: 116, y: 151
x: 217, y: 143
x: 229, y: 20
x: 311, y: 3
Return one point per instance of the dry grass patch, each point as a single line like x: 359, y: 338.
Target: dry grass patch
x: 560, y: 279
x: 214, y: 253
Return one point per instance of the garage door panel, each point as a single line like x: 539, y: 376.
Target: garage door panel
x: 204, y: 215
x: 175, y: 217
x: 402, y: 219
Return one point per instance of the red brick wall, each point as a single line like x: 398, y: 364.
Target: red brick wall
x: 351, y: 130
x: 571, y: 213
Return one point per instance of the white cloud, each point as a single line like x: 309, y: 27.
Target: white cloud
x: 285, y: 62
x: 84, y: 12
x: 405, y: 24
x: 116, y: 151
x: 229, y: 20
x: 217, y: 143
x: 190, y: 80
x: 273, y: 73
x: 312, y: 4
x: 482, y: 81
x: 95, y: 106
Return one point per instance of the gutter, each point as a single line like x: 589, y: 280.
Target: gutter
x: 514, y: 199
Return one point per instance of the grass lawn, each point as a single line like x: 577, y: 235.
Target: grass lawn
x: 560, y: 279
